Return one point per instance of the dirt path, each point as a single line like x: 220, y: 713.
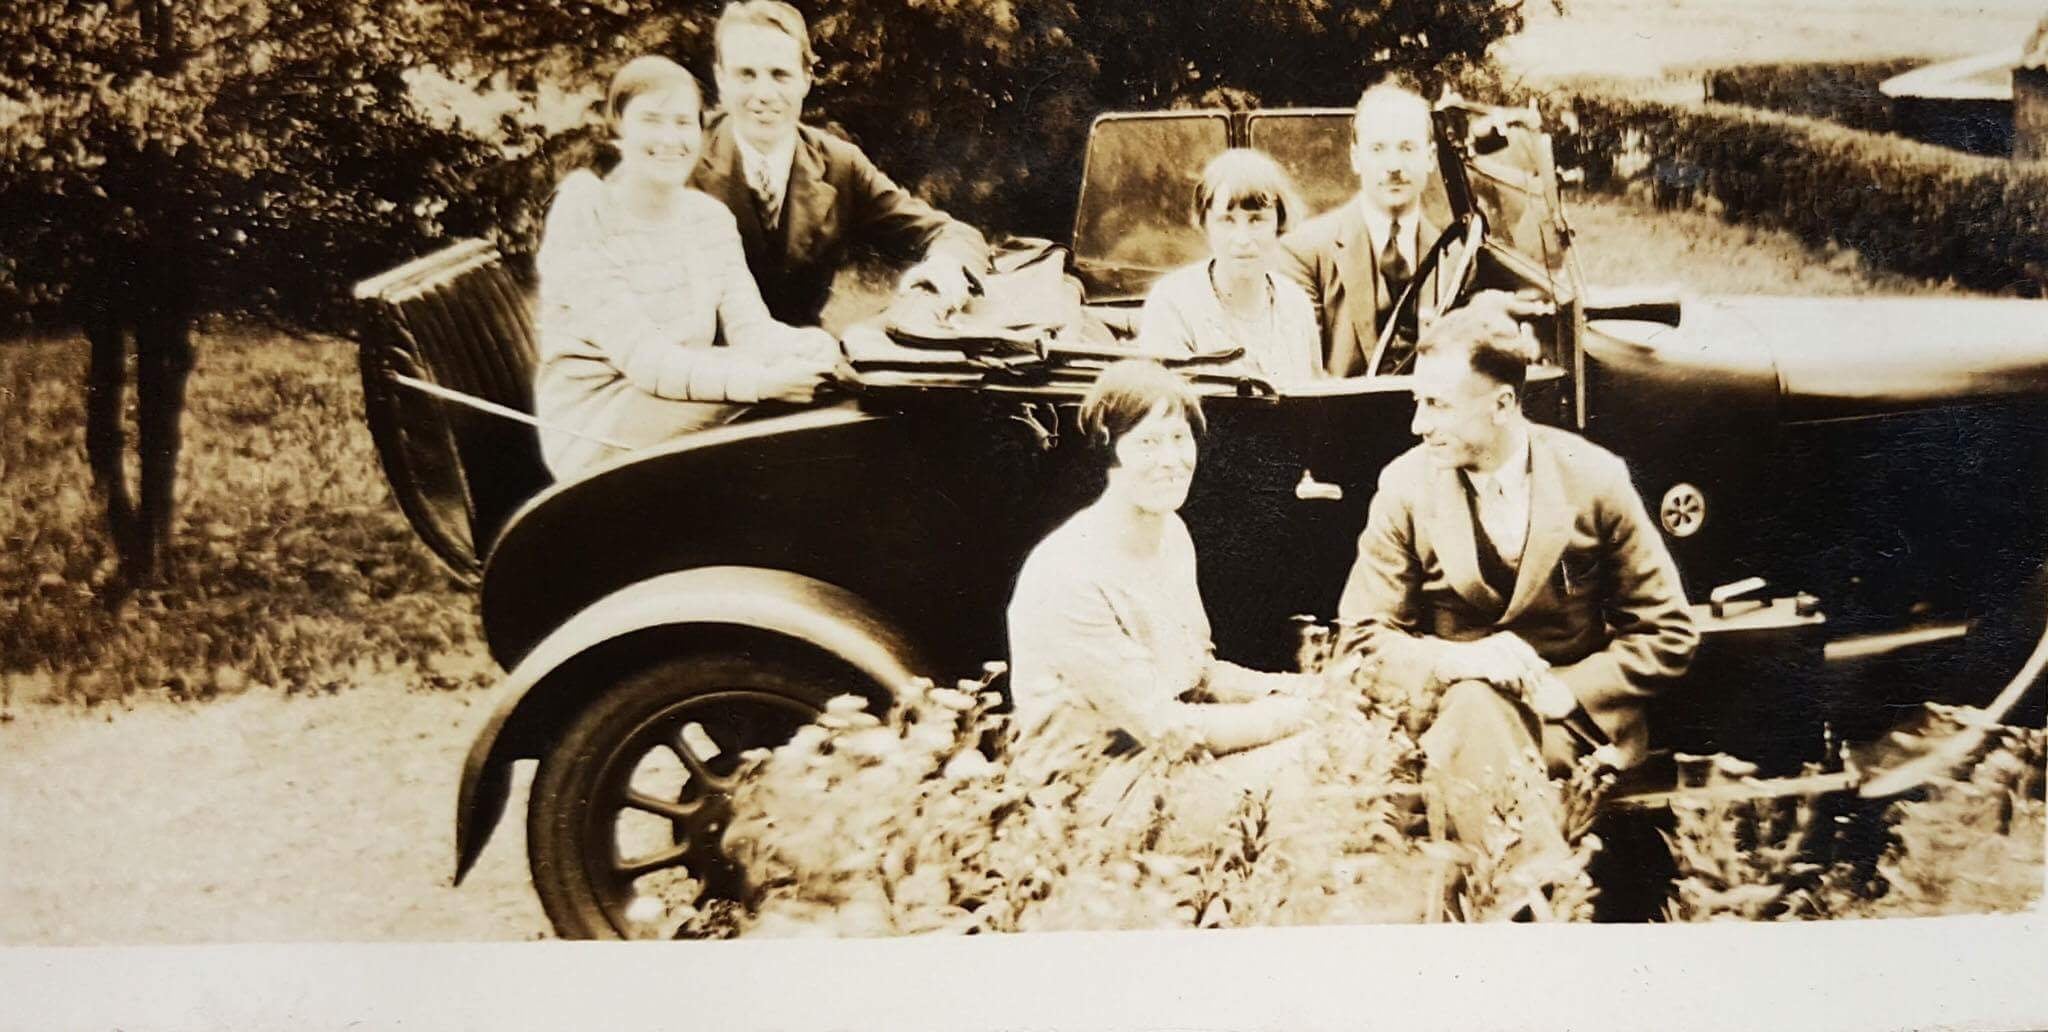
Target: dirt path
x: 313, y: 819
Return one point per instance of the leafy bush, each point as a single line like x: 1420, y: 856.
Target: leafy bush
x: 1913, y: 208
x: 906, y: 824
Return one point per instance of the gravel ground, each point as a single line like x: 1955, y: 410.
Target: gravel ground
x: 323, y: 818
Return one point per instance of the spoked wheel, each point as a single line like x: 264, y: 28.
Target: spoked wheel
x: 629, y: 808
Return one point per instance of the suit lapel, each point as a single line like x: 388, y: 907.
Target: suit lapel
x: 1450, y: 528
x: 720, y: 175
x: 1359, y: 273
x: 1550, y: 524
x: 808, y: 201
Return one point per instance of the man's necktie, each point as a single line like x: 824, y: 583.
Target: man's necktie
x: 1394, y: 266
x: 767, y: 203
x: 1395, y: 273
x: 1494, y: 569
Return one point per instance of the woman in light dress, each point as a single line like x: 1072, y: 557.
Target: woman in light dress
x: 1233, y: 298
x: 650, y: 324
x: 1109, y: 640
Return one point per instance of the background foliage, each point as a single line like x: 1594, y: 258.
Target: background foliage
x: 1914, y: 208
x: 259, y: 154
x: 270, y: 150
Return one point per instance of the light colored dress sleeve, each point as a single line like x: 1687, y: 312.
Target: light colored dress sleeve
x: 595, y: 301
x: 1299, y: 335
x: 1125, y: 654
x: 1164, y: 327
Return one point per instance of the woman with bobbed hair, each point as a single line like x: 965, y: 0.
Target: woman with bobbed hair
x: 650, y: 324
x: 1233, y: 298
x: 1109, y: 641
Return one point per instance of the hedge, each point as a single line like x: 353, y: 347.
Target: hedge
x: 1843, y: 92
x: 1921, y: 210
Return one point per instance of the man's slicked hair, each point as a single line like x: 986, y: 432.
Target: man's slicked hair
x: 1393, y: 84
x: 767, y: 14
x: 1491, y: 340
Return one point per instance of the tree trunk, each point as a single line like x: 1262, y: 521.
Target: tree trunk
x: 163, y: 360
x: 105, y: 444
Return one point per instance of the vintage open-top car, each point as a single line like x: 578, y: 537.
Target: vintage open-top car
x: 1853, y: 490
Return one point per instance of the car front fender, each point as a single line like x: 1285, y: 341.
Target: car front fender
x: 673, y: 610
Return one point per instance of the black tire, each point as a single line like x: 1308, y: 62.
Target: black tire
x: 586, y: 789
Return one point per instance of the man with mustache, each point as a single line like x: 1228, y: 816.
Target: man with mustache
x: 1355, y: 260
x: 1511, y: 594
x: 804, y: 198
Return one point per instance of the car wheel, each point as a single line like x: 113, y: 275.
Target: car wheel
x: 629, y: 806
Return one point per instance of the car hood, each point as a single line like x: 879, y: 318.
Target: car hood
x: 1843, y: 357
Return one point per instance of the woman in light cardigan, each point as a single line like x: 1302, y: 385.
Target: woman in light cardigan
x: 1233, y: 299
x: 1109, y: 640
x: 650, y: 324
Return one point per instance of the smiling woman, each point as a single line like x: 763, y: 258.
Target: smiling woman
x: 1109, y: 638
x: 650, y: 324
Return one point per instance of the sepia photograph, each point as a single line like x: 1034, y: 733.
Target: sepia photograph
x: 685, y: 470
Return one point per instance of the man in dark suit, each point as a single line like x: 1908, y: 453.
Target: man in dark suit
x: 1355, y: 259
x: 1511, y: 593
x: 803, y: 197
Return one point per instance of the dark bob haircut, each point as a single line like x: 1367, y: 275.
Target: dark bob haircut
x: 1247, y: 180
x: 1126, y: 393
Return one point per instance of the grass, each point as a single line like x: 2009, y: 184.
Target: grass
x: 292, y: 570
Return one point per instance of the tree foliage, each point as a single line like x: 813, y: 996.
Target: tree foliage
x: 985, y: 104
x: 212, y: 155
x: 270, y: 151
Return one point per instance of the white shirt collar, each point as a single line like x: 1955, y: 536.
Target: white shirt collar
x: 775, y: 163
x: 1379, y: 222
x: 1511, y: 479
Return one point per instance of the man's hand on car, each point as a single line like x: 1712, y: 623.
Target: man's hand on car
x: 943, y: 276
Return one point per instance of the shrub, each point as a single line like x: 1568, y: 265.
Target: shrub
x: 1842, y: 92
x: 863, y: 825
x: 1909, y: 207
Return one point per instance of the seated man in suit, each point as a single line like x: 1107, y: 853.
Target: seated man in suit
x: 803, y: 197
x: 1511, y: 593
x: 1355, y: 259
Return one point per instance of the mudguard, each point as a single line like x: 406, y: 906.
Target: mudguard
x: 732, y: 597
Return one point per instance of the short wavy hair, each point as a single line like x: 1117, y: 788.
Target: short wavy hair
x: 767, y: 14
x: 1125, y: 394
x: 1247, y: 179
x: 1491, y: 339
x: 648, y: 73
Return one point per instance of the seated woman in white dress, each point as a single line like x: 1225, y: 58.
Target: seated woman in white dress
x: 650, y: 324
x: 1109, y: 641
x: 1233, y: 298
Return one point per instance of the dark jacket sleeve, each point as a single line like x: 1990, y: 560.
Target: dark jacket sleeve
x: 891, y: 219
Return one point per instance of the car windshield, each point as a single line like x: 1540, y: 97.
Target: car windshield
x: 1132, y: 222
x: 1140, y: 179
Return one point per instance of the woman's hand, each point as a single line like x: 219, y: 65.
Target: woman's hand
x: 794, y: 380
x: 1284, y: 715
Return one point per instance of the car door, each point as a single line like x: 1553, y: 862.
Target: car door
x: 1279, y: 498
